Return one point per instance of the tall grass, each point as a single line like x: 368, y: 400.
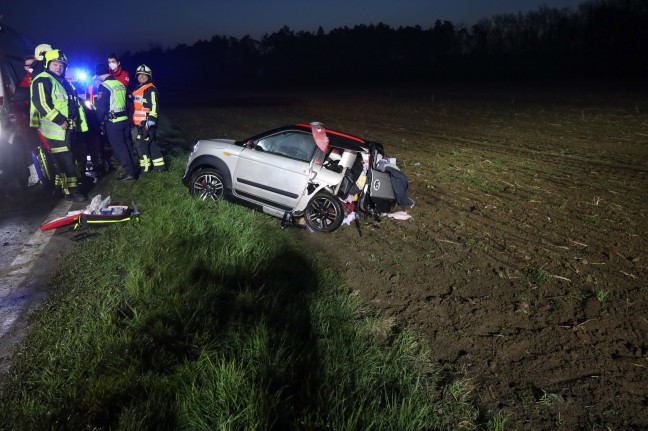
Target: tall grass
x: 208, y: 316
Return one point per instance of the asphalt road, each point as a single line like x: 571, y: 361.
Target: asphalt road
x: 28, y: 257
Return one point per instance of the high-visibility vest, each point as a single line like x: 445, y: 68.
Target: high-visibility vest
x: 47, y: 127
x: 139, y: 111
x: 117, y: 100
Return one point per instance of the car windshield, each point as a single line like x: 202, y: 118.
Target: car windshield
x: 293, y: 144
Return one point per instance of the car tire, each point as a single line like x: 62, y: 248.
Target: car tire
x: 207, y: 184
x: 324, y: 213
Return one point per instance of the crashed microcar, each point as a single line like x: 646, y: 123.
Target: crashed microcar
x: 294, y: 172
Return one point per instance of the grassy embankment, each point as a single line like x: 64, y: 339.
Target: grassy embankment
x: 205, y: 316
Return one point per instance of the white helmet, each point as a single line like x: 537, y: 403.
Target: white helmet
x: 41, y: 50
x: 144, y: 70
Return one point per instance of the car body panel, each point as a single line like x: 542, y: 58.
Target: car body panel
x: 271, y: 177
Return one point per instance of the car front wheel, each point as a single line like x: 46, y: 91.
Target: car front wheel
x: 207, y: 184
x: 324, y: 213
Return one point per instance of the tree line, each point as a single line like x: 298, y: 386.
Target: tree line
x: 600, y: 39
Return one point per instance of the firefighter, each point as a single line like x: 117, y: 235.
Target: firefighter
x: 117, y: 71
x: 110, y: 104
x: 145, y: 119
x: 57, y: 113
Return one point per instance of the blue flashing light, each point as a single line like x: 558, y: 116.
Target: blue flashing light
x: 82, y: 75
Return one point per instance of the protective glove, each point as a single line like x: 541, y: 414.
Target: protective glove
x: 150, y: 123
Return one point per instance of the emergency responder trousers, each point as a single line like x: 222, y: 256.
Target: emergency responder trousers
x: 150, y: 155
x: 122, y: 145
x: 66, y: 172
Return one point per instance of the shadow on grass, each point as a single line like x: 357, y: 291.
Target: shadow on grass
x: 218, y: 314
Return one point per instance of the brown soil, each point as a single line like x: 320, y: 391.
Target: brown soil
x: 524, y: 264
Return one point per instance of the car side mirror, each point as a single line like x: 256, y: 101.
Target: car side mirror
x: 249, y: 144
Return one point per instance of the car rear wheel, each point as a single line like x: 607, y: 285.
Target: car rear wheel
x: 324, y: 213
x: 207, y: 184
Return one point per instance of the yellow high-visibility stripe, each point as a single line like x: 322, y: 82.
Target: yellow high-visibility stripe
x: 43, y: 101
x: 56, y: 150
x: 153, y: 104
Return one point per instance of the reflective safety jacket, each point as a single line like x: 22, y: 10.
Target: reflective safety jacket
x: 110, y: 101
x: 145, y: 103
x: 51, y: 105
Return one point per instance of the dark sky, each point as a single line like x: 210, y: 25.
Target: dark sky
x: 85, y: 28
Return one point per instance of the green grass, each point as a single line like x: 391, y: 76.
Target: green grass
x: 548, y: 399
x: 538, y: 275
x: 592, y: 218
x: 209, y: 316
x: 527, y: 165
x: 482, y: 183
x: 601, y: 294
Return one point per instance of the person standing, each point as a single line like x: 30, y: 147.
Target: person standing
x: 57, y: 113
x: 145, y: 118
x: 117, y: 71
x: 26, y: 81
x: 99, y: 148
x: 110, y: 104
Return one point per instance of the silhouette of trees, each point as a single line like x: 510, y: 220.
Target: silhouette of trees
x: 601, y: 39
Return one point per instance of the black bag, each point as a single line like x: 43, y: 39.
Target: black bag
x: 381, y: 193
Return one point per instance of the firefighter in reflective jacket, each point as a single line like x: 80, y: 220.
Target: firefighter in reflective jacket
x: 56, y: 111
x: 110, y: 103
x: 145, y: 118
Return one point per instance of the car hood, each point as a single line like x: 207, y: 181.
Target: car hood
x: 217, y: 143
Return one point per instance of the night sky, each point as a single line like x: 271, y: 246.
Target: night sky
x: 82, y: 29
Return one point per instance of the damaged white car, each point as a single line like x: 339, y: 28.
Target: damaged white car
x: 300, y: 170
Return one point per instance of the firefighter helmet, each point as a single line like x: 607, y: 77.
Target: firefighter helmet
x: 41, y: 50
x: 55, y: 55
x: 144, y: 70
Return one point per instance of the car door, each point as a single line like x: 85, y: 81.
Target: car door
x: 275, y: 168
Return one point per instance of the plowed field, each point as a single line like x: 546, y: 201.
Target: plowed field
x: 525, y: 263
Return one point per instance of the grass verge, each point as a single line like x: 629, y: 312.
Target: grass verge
x: 208, y: 316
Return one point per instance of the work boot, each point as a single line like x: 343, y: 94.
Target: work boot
x: 160, y: 169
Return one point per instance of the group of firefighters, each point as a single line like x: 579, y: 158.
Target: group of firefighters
x: 61, y: 119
